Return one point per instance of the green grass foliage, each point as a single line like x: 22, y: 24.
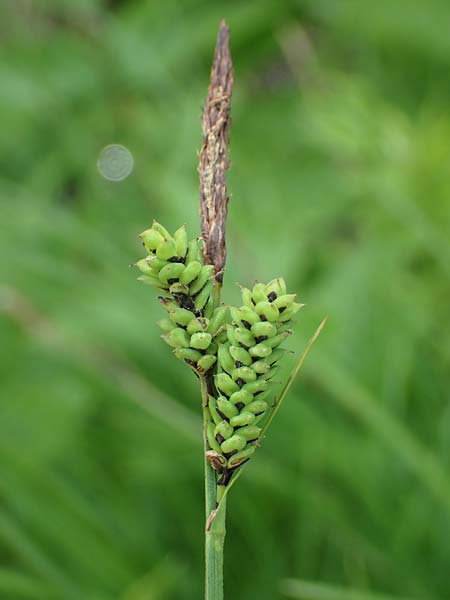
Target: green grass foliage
x: 340, y: 183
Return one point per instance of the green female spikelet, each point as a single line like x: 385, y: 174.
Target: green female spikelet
x: 239, y: 359
x: 247, y: 361
x: 174, y: 265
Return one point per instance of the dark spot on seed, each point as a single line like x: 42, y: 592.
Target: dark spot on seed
x: 263, y: 317
x: 220, y: 438
x: 261, y: 338
x: 210, y: 386
x: 225, y: 477
x: 184, y: 301
x: 246, y: 324
x: 239, y: 405
x: 272, y: 296
x: 172, y: 280
x: 190, y: 362
x: 220, y: 413
x: 240, y: 382
x: 238, y: 364
x: 282, y: 309
x: 228, y: 454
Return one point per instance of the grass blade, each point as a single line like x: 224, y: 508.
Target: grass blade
x: 292, y: 376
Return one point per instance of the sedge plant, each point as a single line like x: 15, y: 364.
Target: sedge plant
x: 233, y: 351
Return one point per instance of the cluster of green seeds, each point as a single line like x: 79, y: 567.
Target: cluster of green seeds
x: 175, y: 267
x: 247, y: 362
x: 237, y: 359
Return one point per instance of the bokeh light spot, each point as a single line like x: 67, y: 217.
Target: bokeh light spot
x: 115, y: 162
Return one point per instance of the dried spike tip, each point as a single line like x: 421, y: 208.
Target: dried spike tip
x: 213, y: 158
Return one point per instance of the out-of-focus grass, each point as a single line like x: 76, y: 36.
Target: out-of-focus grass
x: 340, y: 179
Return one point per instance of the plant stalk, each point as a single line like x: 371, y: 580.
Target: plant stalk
x: 213, y: 165
x: 214, y: 541
x: 215, y: 521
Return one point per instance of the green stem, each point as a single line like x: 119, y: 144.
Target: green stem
x: 215, y: 522
x: 214, y: 541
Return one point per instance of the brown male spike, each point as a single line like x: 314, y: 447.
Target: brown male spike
x: 213, y: 159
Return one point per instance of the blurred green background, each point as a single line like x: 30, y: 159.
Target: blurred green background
x: 340, y: 182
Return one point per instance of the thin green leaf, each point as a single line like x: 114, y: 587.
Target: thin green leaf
x: 292, y: 376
